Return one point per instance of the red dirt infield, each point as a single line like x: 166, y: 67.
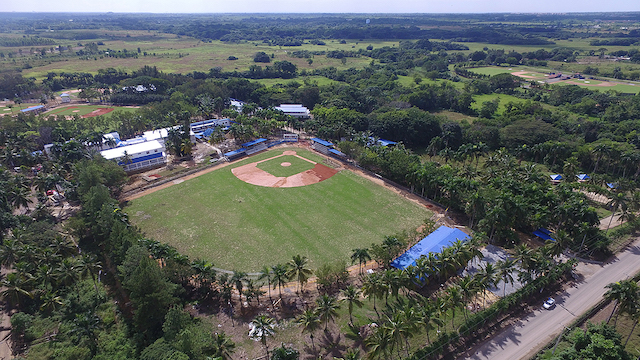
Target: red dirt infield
x: 251, y: 174
x: 98, y: 112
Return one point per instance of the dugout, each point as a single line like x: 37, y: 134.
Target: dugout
x: 321, y: 145
x: 255, y: 146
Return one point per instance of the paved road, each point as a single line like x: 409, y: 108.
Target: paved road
x: 523, y: 339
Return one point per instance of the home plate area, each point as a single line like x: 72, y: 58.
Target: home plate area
x: 251, y: 174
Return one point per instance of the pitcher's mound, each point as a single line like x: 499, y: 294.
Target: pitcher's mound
x: 285, y: 164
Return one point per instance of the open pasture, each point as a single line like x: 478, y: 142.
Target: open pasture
x: 239, y: 226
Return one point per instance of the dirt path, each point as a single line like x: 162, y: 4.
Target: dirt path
x: 534, y: 331
x: 616, y: 221
x: 5, y: 329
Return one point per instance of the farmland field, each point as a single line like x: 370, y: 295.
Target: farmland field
x: 239, y: 226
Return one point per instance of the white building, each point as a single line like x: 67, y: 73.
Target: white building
x: 162, y: 134
x: 65, y: 98
x: 295, y: 110
x: 141, y: 156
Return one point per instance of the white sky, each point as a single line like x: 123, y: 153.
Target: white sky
x: 320, y: 6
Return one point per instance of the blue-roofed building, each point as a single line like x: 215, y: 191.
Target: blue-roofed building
x: 583, y: 177
x: 433, y: 243
x: 232, y: 155
x: 555, y: 178
x: 255, y: 146
x: 321, y: 145
x: 141, y: 156
x: 337, y: 153
x: 33, y: 109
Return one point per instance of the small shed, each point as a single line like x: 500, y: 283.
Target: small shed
x: 583, y: 177
x: 555, y: 179
x: 65, y: 98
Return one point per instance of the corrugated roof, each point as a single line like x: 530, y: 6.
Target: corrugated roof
x: 444, y: 236
x: 118, y: 152
x: 322, y: 142
x: 251, y: 143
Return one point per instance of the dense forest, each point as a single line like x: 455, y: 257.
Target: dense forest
x: 93, y: 286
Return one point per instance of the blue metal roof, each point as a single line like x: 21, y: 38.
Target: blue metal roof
x: 32, y: 108
x: 234, y: 152
x: 336, y: 152
x: 254, y: 142
x: 543, y: 234
x: 444, y: 236
x: 322, y: 142
x: 384, y: 142
x: 142, y: 158
x: 583, y: 177
x: 556, y: 177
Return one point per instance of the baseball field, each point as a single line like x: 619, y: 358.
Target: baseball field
x: 239, y: 226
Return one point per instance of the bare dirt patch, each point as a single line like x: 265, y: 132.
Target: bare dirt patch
x: 602, y: 84
x: 521, y: 74
x: 75, y: 111
x: 98, y: 112
x: 251, y: 174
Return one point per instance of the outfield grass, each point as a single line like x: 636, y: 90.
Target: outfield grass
x: 240, y: 226
x: 275, y: 167
x: 81, y: 110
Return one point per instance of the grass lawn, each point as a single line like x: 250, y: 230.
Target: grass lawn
x: 275, y: 167
x: 85, y: 109
x: 236, y: 225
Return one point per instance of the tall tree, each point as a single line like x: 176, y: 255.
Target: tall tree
x: 279, y: 277
x: 361, y: 256
x: 310, y: 322
x: 327, y: 309
x: 351, y: 296
x: 298, y: 270
x: 263, y: 328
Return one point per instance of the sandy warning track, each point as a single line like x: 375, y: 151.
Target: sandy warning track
x: 251, y: 174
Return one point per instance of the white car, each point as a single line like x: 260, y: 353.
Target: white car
x: 549, y: 303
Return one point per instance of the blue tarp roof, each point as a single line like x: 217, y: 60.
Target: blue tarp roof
x: 32, y: 108
x: 583, y: 177
x: 251, y: 143
x: 612, y: 185
x: 434, y: 242
x: 543, y: 234
x: 322, y: 142
x: 336, y: 152
x: 384, y: 142
x: 556, y: 177
x: 234, y: 152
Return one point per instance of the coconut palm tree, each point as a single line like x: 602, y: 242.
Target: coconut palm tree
x: 373, y: 288
x: 223, y: 346
x: 351, y: 297
x: 85, y: 327
x: 298, y: 270
x: 263, y: 327
x: 238, y: 278
x: 378, y: 344
x: 327, y: 309
x: 487, y: 276
x: 618, y: 201
x: 279, y: 277
x: 505, y: 272
x: 361, y: 256
x: 625, y: 293
x: 310, y: 322
x: 17, y: 287
x: 266, y: 274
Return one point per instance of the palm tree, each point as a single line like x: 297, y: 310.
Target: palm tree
x: 310, y: 322
x: 378, y: 344
x: 619, y: 201
x: 373, y: 288
x: 88, y: 265
x: 10, y: 251
x: 298, y: 270
x: 351, y: 297
x: 16, y: 288
x: 266, y: 273
x: 85, y: 326
x: 487, y: 278
x: 468, y: 290
x: 50, y: 301
x: 279, y: 277
x: 505, y: 270
x: 223, y: 346
x: 361, y: 256
x: 327, y: 309
x: 262, y: 329
x: 626, y: 293
x: 238, y: 278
